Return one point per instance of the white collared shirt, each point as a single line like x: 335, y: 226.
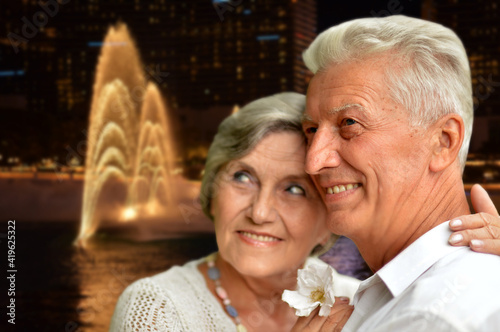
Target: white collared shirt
x: 431, y: 286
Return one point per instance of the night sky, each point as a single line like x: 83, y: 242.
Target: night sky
x: 334, y: 12
x: 33, y: 134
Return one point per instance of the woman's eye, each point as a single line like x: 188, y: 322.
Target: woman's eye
x: 242, y: 177
x: 296, y: 190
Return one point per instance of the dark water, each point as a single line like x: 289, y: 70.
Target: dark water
x: 61, y: 288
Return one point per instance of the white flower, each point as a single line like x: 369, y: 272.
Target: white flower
x: 314, y: 287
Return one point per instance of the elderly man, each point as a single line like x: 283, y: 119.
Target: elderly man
x: 388, y: 122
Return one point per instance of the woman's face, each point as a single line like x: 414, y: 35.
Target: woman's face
x: 268, y: 215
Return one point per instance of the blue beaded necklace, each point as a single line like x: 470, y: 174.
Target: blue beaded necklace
x: 214, y: 274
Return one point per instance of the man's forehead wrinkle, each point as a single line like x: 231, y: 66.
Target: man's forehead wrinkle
x: 365, y: 86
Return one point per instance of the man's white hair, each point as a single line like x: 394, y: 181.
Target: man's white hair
x: 430, y: 75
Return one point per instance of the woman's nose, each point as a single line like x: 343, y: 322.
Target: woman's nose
x: 262, y: 208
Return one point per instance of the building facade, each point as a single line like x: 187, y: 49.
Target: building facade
x: 477, y: 23
x: 203, y: 54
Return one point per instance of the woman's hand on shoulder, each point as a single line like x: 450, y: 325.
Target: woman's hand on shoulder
x: 339, y: 314
x: 480, y: 231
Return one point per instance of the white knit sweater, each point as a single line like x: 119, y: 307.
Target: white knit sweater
x: 179, y: 300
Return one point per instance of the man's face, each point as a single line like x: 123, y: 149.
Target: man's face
x: 365, y: 158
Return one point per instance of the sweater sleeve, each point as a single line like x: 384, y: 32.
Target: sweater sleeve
x: 144, y: 306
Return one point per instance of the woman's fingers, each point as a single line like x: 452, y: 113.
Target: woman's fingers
x: 480, y: 231
x: 346, y: 317
x: 486, y: 246
x: 480, y: 226
x: 339, y: 314
x: 310, y: 323
x: 336, y: 321
x: 481, y: 201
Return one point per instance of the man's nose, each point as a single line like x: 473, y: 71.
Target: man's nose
x: 322, y: 152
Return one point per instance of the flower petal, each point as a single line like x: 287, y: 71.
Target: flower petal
x: 302, y: 305
x: 294, y: 298
x: 324, y: 311
x: 311, y: 280
x: 304, y: 312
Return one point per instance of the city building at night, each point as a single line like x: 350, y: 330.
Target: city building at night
x: 205, y: 55
x: 477, y: 23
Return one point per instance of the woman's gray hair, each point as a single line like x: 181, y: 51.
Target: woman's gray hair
x: 430, y: 76
x: 240, y: 132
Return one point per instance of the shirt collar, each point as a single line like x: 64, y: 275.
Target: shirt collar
x: 413, y: 261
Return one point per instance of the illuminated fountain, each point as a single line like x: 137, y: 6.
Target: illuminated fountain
x: 152, y: 182
x: 130, y: 153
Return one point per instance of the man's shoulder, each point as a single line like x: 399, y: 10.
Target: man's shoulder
x: 466, y: 266
x: 463, y: 285
x: 464, y: 272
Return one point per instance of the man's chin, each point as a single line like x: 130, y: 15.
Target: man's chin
x: 339, y: 227
x: 340, y: 224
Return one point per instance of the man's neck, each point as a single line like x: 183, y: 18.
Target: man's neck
x: 441, y: 202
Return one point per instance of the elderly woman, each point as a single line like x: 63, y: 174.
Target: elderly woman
x: 269, y: 222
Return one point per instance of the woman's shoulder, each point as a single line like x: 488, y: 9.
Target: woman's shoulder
x: 173, y: 279
x: 188, y: 271
x: 177, y: 297
x: 142, y: 305
x: 158, y: 300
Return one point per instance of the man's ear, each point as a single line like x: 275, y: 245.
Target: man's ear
x: 448, y: 135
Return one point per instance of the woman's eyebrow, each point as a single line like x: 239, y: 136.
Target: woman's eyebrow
x: 238, y: 164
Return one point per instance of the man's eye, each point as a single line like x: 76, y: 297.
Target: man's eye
x: 242, y: 177
x: 311, y: 130
x: 350, y: 128
x: 296, y: 190
x: 348, y: 122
